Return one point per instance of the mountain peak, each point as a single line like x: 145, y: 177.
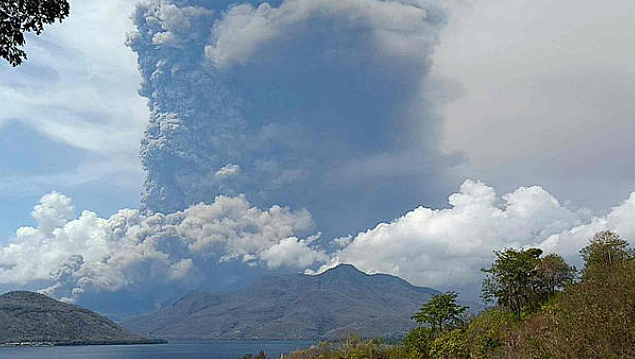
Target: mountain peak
x: 344, y: 269
x: 331, y: 305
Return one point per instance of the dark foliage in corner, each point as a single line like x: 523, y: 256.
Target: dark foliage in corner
x: 18, y: 17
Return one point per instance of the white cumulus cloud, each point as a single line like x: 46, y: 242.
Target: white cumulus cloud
x: 293, y: 252
x: 446, y: 248
x: 443, y: 248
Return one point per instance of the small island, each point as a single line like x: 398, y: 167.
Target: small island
x: 33, y: 319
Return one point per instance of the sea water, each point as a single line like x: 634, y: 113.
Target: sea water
x: 176, y: 350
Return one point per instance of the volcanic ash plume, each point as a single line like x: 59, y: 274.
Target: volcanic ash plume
x: 133, y: 250
x: 316, y: 104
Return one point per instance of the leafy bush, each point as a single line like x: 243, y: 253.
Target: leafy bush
x: 418, y: 342
x: 489, y: 332
x: 452, y: 344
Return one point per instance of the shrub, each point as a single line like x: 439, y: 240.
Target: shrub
x: 489, y: 332
x: 418, y: 341
x: 452, y: 344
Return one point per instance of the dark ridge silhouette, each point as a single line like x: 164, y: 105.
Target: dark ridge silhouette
x: 29, y: 318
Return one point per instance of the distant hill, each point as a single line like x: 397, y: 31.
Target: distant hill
x: 331, y: 305
x: 27, y: 317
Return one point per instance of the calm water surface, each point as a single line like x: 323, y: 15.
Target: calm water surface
x: 178, y: 350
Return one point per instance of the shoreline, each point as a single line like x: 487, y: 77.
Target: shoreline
x: 83, y: 343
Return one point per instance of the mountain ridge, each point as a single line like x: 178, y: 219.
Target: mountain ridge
x: 28, y: 317
x: 329, y: 305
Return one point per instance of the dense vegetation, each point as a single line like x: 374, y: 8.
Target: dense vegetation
x: 542, y: 308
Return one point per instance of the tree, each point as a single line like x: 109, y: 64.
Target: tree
x: 512, y: 280
x: 522, y: 281
x: 593, y: 318
x: 441, y: 312
x: 554, y: 274
x: 20, y: 16
x: 604, y: 251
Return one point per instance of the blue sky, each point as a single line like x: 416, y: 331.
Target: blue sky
x: 71, y: 120
x: 347, y: 114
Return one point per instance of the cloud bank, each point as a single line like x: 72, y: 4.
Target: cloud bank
x: 446, y: 248
x: 93, y: 254
x: 310, y: 104
x: 443, y: 248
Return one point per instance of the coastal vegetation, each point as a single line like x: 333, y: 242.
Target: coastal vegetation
x: 541, y: 307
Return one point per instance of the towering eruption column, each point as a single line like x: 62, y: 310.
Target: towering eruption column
x: 196, y: 124
x: 315, y: 104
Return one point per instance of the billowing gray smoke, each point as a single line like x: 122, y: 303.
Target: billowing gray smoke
x: 305, y: 103
x: 130, y: 250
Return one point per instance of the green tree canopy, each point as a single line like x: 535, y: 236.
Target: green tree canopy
x: 452, y: 344
x: 489, y: 331
x: 20, y: 16
x: 521, y: 281
x: 512, y: 278
x: 441, y: 312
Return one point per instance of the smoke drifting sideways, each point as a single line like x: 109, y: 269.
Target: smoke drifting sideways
x: 67, y: 257
x: 321, y: 105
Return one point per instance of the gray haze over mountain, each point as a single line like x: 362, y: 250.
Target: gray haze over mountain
x: 333, y: 305
x: 311, y: 104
